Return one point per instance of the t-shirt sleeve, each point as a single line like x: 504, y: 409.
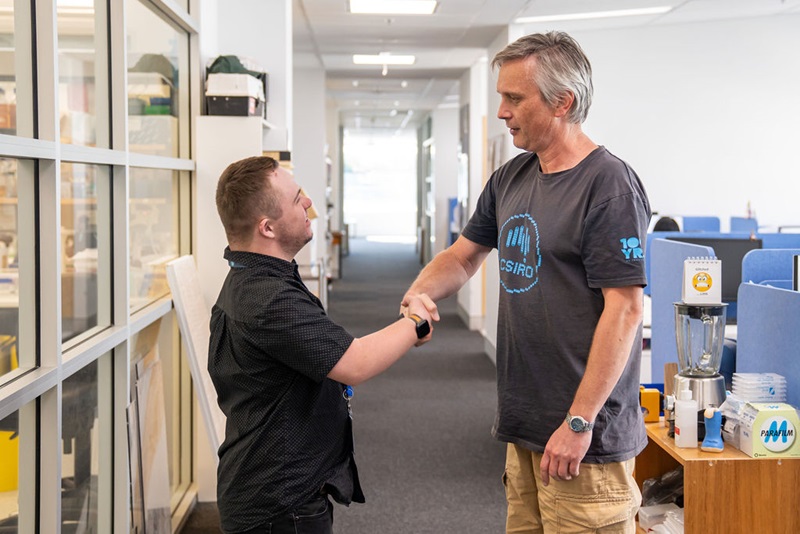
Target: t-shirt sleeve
x: 482, y: 226
x: 614, y: 237
x: 294, y: 330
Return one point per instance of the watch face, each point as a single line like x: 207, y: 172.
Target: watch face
x: 423, y: 329
x: 579, y: 424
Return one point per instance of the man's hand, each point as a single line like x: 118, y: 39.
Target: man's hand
x: 423, y: 306
x: 563, y: 454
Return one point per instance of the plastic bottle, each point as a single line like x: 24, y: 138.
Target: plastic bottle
x: 685, y: 420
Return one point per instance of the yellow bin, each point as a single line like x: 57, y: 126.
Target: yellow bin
x: 9, y: 461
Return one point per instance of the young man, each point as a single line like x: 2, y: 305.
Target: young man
x: 282, y: 369
x: 569, y: 221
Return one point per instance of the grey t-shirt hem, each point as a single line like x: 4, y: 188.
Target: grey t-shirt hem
x: 589, y: 458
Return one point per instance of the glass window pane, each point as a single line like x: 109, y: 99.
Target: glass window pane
x: 81, y: 246
x: 8, y: 84
x: 9, y: 281
x: 153, y: 231
x: 161, y: 341
x: 9, y: 473
x: 77, y: 61
x: 79, y: 462
x: 158, y: 60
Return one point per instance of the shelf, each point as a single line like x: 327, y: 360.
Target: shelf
x: 726, y: 491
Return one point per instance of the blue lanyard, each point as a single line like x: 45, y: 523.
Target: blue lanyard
x: 236, y: 265
x: 347, y: 393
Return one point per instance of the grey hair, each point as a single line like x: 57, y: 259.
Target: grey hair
x: 563, y: 68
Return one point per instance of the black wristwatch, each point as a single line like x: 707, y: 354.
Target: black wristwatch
x: 423, y: 328
x: 578, y: 424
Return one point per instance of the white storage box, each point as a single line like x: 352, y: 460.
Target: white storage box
x: 225, y: 84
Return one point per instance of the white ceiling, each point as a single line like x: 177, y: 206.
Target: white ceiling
x: 448, y: 42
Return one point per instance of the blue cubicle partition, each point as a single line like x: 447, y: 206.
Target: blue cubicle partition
x: 744, y: 224
x: 666, y: 286
x: 701, y: 224
x: 770, y: 266
x: 768, y: 241
x: 768, y: 335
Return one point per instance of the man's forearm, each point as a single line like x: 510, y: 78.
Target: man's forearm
x: 611, y: 348
x: 449, y: 270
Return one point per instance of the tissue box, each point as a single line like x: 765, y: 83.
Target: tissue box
x: 769, y: 430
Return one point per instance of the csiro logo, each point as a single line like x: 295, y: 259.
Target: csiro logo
x: 518, y: 250
x: 632, y: 248
x: 777, y: 434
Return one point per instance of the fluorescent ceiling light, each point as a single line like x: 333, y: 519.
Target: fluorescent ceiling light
x: 383, y: 58
x: 393, y: 7
x: 596, y: 14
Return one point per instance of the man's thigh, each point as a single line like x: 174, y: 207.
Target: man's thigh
x: 521, y: 494
x: 603, y: 498
x: 316, y: 517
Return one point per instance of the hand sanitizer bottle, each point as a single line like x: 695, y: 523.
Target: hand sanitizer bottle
x: 685, y: 420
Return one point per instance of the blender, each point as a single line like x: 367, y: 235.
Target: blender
x: 700, y: 332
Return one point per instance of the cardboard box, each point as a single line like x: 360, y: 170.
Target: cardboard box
x: 769, y: 429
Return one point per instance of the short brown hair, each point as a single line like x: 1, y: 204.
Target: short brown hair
x: 245, y: 196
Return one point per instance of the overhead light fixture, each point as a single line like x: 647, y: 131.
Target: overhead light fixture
x: 393, y: 7
x: 596, y: 14
x: 384, y: 58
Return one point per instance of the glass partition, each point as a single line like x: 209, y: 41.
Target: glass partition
x: 9, y: 473
x: 81, y: 70
x: 79, y: 465
x: 8, y: 70
x: 9, y: 273
x: 158, y: 62
x: 153, y: 231
x: 84, y: 245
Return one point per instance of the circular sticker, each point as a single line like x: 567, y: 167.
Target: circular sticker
x: 777, y: 434
x: 702, y: 281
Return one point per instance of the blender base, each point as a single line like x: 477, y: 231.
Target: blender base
x: 708, y: 391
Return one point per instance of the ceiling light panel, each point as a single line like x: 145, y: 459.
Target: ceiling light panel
x: 383, y: 59
x: 596, y: 14
x: 393, y: 7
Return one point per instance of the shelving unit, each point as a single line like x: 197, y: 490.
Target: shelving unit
x: 727, y: 491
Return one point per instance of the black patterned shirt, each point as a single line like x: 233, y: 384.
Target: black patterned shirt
x: 288, y: 435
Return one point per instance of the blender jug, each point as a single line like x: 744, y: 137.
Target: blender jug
x: 700, y: 332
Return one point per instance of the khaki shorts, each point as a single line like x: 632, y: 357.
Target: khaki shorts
x: 604, y: 498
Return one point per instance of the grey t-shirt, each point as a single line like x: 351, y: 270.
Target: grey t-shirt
x: 560, y: 238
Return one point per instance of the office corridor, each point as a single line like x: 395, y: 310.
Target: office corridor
x: 427, y: 461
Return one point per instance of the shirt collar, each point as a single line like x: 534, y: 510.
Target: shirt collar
x: 241, y: 259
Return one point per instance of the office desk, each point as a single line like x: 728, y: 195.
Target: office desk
x: 727, y: 491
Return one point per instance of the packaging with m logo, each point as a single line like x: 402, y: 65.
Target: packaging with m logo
x: 770, y: 429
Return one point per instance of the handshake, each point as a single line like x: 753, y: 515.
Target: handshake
x: 423, y: 311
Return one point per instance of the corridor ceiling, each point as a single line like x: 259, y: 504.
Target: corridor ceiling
x: 448, y: 42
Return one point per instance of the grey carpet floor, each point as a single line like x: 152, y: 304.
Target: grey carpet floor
x: 427, y: 461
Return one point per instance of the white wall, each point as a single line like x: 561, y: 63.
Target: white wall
x: 445, y: 170
x: 473, y: 92
x: 262, y: 31
x: 706, y: 113
x: 308, y: 156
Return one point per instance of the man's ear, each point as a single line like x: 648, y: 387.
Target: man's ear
x: 265, y: 228
x: 564, y: 104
